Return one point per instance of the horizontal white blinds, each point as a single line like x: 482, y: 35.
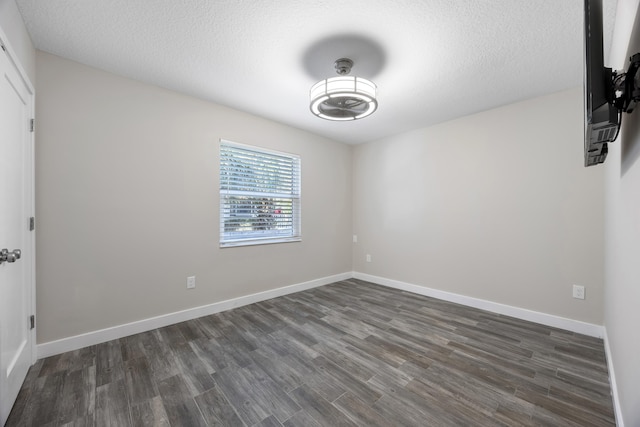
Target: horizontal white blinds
x: 259, y: 195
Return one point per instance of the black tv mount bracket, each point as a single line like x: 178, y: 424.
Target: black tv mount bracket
x: 626, y: 86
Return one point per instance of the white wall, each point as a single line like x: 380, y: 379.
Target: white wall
x: 495, y: 206
x: 13, y: 26
x: 622, y: 243
x: 127, y: 202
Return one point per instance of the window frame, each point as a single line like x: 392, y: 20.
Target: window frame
x: 225, y: 240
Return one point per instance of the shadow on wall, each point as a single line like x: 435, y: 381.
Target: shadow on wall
x: 630, y: 138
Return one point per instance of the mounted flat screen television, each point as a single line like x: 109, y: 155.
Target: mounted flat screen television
x: 607, y: 93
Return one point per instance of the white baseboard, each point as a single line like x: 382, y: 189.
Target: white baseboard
x: 520, y: 313
x: 617, y: 409
x: 96, y: 337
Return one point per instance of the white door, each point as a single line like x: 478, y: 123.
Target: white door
x: 16, y: 204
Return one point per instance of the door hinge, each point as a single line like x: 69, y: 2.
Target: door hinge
x: 32, y: 125
x: 32, y: 321
x: 32, y: 223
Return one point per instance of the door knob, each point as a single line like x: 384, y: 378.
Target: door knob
x: 6, y: 256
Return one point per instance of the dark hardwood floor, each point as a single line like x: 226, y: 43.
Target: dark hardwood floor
x: 346, y: 354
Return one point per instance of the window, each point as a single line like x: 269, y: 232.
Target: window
x: 259, y: 195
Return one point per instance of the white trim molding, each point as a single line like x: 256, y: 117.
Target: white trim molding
x: 617, y: 408
x: 96, y: 337
x: 507, y: 310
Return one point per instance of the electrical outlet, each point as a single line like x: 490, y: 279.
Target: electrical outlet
x: 578, y: 292
x: 355, y: 238
x: 191, y: 282
x: 368, y: 258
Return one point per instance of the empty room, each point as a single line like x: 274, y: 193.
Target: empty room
x: 327, y: 213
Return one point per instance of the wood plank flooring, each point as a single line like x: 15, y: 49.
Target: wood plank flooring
x: 347, y: 354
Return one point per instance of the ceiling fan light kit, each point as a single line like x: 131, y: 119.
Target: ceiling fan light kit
x: 344, y: 97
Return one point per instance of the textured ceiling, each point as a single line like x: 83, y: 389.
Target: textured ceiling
x: 433, y: 60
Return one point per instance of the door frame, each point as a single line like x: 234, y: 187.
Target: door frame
x: 29, y: 180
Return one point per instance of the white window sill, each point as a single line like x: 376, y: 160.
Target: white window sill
x: 253, y: 242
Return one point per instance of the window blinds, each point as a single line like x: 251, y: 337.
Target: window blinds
x: 259, y: 195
